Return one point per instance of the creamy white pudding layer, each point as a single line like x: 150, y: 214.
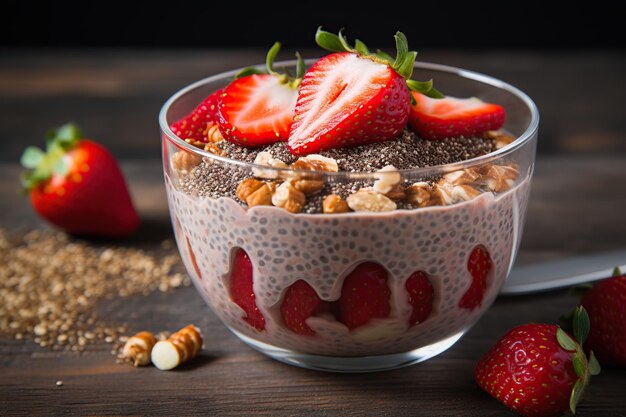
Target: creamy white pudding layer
x: 322, y: 249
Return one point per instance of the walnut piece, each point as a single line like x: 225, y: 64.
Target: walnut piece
x: 288, y: 198
x: 183, y: 162
x: 315, y: 162
x: 386, y: 178
x: 442, y: 193
x: 500, y: 138
x: 464, y: 193
x: 261, y: 197
x: 370, y: 200
x: 247, y: 187
x: 500, y: 178
x: 214, y: 149
x: 335, y: 204
x: 308, y: 186
x: 397, y: 193
x: 419, y: 194
x: 265, y: 158
x: 462, y: 176
x: 213, y: 133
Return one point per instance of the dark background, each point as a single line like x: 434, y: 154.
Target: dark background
x: 473, y: 25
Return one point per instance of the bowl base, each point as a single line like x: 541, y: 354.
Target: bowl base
x: 351, y: 364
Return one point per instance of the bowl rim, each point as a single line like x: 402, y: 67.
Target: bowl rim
x: 518, y: 143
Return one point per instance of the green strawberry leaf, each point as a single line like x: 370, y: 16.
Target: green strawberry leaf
x: 300, y: 69
x: 271, y: 57
x: 61, y: 168
x: 344, y: 42
x: 579, y: 366
x: 248, y: 71
x: 361, y: 47
x: 617, y: 272
x: 328, y: 41
x: 384, y: 56
x: 581, y: 324
x: 32, y: 157
x: 577, y: 394
x: 565, y: 340
x: 594, y: 365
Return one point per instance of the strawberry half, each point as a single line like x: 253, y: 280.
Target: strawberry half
x: 538, y: 369
x: 479, y: 265
x: 77, y: 185
x: 256, y: 109
x: 353, y: 97
x: 242, y: 291
x: 606, y: 304
x: 420, y: 292
x: 449, y: 117
x: 365, y: 295
x: 301, y: 302
x: 194, y: 125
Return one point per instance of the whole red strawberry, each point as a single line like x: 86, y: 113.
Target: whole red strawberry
x: 194, y: 125
x: 479, y: 265
x: 365, y: 295
x: 242, y: 291
x: 606, y: 304
x: 354, y: 97
x: 78, y: 186
x: 538, y: 369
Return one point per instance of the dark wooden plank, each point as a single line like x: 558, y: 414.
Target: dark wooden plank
x: 571, y: 212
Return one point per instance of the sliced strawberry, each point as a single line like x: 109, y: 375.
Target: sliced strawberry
x: 450, y: 117
x: 192, y: 257
x: 348, y: 100
x: 257, y: 110
x: 365, y: 295
x: 301, y: 302
x: 479, y: 265
x: 421, y: 293
x: 242, y: 292
x: 193, y: 126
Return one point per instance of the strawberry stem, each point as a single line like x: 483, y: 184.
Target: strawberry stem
x: 403, y: 64
x: 285, y: 78
x: 41, y: 165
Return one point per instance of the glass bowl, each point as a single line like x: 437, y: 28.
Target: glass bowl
x: 257, y: 265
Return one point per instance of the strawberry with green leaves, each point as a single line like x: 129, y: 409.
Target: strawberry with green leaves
x: 77, y: 185
x: 256, y: 109
x: 353, y: 96
x: 539, y: 370
x: 606, y: 304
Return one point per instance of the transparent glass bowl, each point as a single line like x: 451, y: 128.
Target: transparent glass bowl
x: 215, y: 231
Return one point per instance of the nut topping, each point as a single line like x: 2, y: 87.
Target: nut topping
x: 316, y: 162
x: 213, y: 133
x: 387, y: 177
x: 500, y: 178
x: 419, y: 194
x: 287, y: 197
x: 183, y: 162
x: 500, y: 138
x: 462, y: 176
x: 370, y: 200
x: 261, y: 197
x: 335, y: 204
x: 265, y: 158
x: 464, y: 193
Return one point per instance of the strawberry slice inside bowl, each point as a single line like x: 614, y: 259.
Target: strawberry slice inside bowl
x: 316, y: 279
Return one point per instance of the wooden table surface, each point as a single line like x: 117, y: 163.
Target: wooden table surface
x: 576, y: 207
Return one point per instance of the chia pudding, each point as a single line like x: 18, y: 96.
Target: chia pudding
x: 348, y: 246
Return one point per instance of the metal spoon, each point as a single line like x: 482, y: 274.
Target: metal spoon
x: 563, y: 272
